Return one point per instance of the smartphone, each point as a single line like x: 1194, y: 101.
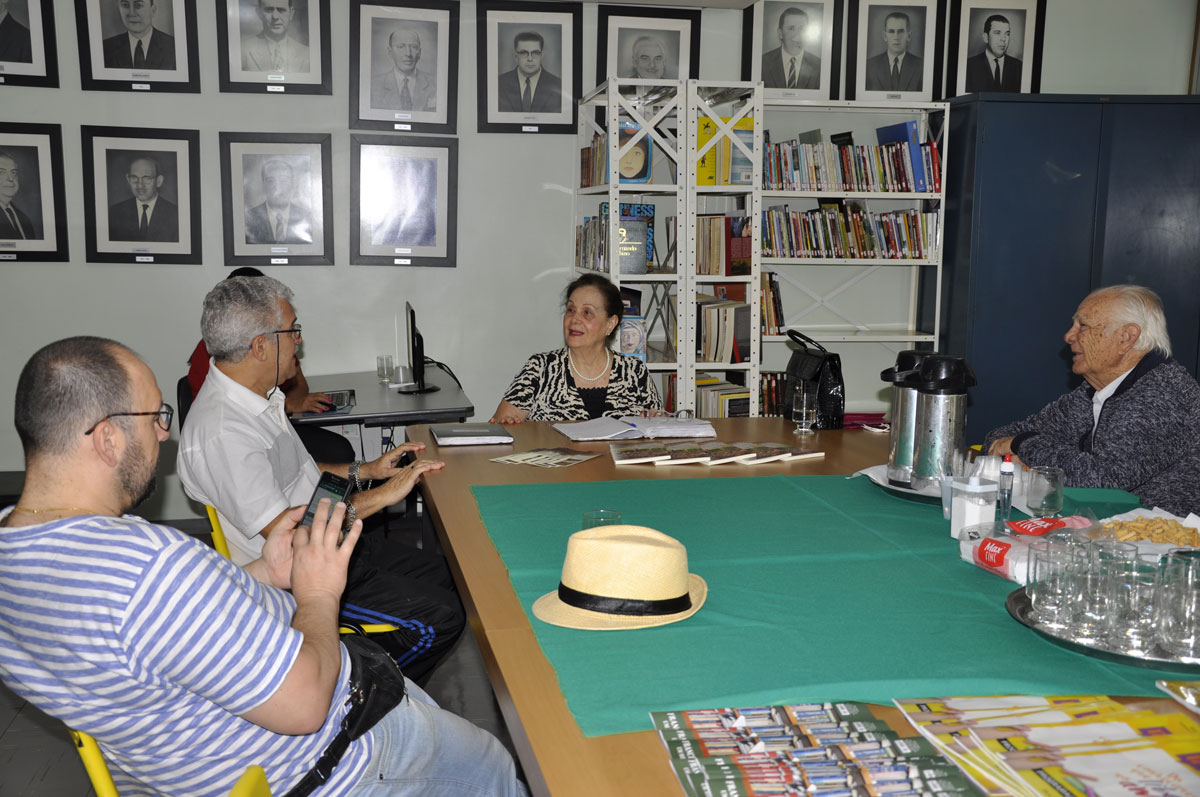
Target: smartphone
x: 330, y: 486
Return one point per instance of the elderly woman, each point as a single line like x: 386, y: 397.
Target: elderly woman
x: 586, y: 379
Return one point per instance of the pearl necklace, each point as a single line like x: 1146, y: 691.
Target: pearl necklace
x: 597, y: 377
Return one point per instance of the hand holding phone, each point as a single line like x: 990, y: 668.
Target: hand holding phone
x: 330, y: 486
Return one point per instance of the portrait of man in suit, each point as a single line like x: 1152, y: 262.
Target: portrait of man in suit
x: 404, y: 87
x: 147, y: 215
x: 274, y: 49
x: 15, y: 42
x: 141, y: 45
x: 529, y: 88
x: 279, y: 219
x: 792, y: 65
x: 649, y: 57
x: 15, y: 224
x: 895, y: 69
x: 994, y: 69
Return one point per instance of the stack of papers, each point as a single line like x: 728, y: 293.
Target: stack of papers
x: 470, y: 434
x: 630, y: 427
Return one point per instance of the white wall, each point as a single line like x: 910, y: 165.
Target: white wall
x: 515, y: 221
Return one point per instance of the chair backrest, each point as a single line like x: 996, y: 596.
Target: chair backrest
x: 93, y: 764
x: 252, y: 783
x: 183, y: 397
x: 218, y: 534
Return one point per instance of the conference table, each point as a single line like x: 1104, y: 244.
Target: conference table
x: 379, y: 405
x: 558, y: 757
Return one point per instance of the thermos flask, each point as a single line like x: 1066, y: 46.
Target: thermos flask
x: 939, y: 442
x: 903, y: 415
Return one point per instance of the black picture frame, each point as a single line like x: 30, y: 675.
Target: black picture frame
x: 619, y: 28
x: 299, y: 166
x: 28, y: 45
x: 172, y: 60
x: 375, y: 91
x: 499, y: 99
x: 866, y: 50
x: 32, y: 188
x: 304, y: 57
x: 966, y: 70
x: 403, y: 200
x: 110, y: 156
x: 763, y: 55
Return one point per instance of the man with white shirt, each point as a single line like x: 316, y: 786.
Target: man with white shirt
x: 279, y: 219
x: 141, y: 46
x: 994, y: 69
x: 791, y: 65
x: 15, y: 224
x: 895, y: 69
x: 239, y: 454
x: 147, y: 215
x: 529, y: 88
x: 404, y: 87
x: 273, y: 50
x: 1132, y: 424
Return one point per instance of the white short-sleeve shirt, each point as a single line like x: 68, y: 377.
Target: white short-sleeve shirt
x: 239, y: 454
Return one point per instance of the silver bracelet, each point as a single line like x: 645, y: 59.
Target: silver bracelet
x: 354, y: 466
x: 350, y: 517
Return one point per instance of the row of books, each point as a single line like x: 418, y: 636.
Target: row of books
x: 720, y: 398
x: 722, y: 330
x: 772, y: 318
x: 724, y: 163
x: 772, y: 394
x: 723, y: 245
x: 633, y: 167
x: 899, y: 162
x: 802, y: 749
x: 635, y: 242
x: 829, y: 232
x: 708, y: 453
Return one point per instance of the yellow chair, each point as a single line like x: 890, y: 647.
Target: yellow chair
x: 218, y: 543
x: 252, y: 783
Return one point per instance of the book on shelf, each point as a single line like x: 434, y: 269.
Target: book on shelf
x: 722, y: 330
x: 631, y: 300
x: 632, y: 337
x: 683, y: 454
x: 899, y: 162
x: 723, y: 244
x: 891, y: 235
x: 772, y: 389
x: 633, y: 213
x: 723, y: 399
x: 724, y: 163
x: 771, y: 303
x: 907, y: 134
x: 631, y: 245
x: 632, y: 167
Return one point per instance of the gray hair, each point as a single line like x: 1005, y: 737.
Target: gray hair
x: 1135, y: 304
x: 67, y: 387
x: 237, y: 311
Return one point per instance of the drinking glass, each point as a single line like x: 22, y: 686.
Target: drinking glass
x: 1050, y: 587
x: 1133, y: 627
x: 1045, y: 490
x: 804, y: 407
x: 1096, y: 575
x: 1179, y: 605
x: 601, y: 517
x: 384, y: 368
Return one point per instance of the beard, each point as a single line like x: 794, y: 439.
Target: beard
x: 138, y: 476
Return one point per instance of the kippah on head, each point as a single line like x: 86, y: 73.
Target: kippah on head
x: 65, y: 388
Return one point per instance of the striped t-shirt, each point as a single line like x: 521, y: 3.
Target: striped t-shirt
x: 154, y: 644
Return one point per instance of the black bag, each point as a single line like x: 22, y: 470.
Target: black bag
x: 822, y: 366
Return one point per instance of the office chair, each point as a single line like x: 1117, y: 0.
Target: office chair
x: 252, y: 783
x: 221, y: 547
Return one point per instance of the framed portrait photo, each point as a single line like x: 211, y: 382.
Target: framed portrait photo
x: 995, y: 46
x: 795, y: 49
x: 33, y: 205
x: 530, y: 66
x: 28, y: 48
x: 141, y: 197
x: 274, y: 46
x: 277, y: 191
x: 403, y: 200
x: 894, y: 50
x: 647, y: 43
x: 404, y: 65
x: 137, y: 45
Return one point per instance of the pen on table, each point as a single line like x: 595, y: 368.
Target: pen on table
x: 1004, y: 494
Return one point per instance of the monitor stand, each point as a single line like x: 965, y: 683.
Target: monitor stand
x: 412, y: 390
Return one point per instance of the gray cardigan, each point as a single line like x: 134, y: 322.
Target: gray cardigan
x: 1147, y: 440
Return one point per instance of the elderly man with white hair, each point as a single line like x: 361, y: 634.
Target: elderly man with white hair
x: 1133, y: 423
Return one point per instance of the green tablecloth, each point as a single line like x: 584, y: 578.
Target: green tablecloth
x: 820, y: 588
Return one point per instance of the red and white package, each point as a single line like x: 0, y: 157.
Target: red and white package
x: 1040, y: 527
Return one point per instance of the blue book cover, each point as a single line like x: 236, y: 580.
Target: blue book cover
x: 907, y: 132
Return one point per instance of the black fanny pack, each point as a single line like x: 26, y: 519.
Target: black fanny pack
x: 376, y: 687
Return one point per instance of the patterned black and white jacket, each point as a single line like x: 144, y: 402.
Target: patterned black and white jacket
x: 1147, y: 440
x: 547, y: 390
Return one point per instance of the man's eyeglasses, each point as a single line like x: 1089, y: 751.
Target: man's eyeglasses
x: 140, y: 180
x: 294, y: 331
x: 165, y: 414
x: 528, y: 53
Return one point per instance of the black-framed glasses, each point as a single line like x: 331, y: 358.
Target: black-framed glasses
x: 295, y: 331
x: 164, y: 413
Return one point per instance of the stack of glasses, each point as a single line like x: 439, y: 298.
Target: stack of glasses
x: 1106, y: 594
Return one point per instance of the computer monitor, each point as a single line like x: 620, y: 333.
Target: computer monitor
x: 416, y: 356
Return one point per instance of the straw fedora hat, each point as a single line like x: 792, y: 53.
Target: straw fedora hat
x: 617, y: 577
